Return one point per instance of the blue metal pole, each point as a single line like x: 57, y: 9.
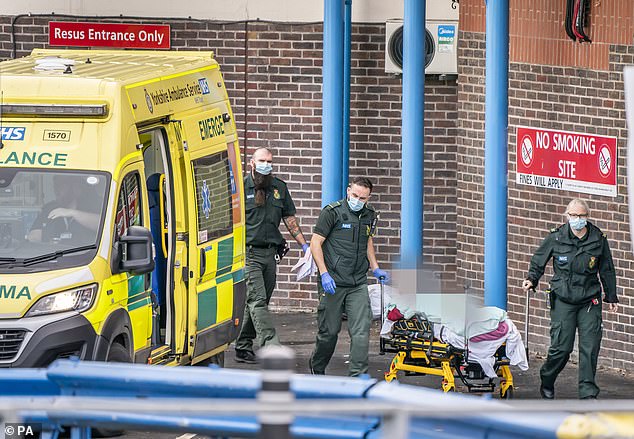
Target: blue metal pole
x: 332, y: 122
x: 496, y: 153
x: 347, y: 56
x: 412, y: 188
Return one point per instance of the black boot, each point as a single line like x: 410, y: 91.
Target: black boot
x: 245, y: 357
x: 546, y: 392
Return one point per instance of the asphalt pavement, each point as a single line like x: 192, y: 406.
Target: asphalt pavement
x: 297, y: 330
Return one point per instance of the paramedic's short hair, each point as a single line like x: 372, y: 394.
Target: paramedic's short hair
x: 580, y: 202
x: 362, y: 181
x: 258, y: 150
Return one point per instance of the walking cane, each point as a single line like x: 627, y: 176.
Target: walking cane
x: 526, y: 316
x: 381, y: 340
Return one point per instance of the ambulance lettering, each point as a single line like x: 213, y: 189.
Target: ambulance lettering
x: 212, y: 127
x: 12, y: 133
x: 35, y: 159
x: 9, y: 292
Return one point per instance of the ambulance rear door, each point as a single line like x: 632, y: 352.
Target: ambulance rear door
x: 209, y: 185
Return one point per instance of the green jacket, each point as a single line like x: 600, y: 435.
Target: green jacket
x: 577, y: 264
x: 346, y: 245
x: 263, y: 222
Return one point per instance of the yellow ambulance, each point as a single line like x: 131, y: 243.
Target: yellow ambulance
x: 121, y: 209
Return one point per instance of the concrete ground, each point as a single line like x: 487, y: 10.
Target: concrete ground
x: 297, y: 330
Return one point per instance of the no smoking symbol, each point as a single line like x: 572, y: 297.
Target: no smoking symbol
x: 527, y: 150
x: 605, y: 161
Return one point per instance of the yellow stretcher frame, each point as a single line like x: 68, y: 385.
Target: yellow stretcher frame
x: 442, y: 360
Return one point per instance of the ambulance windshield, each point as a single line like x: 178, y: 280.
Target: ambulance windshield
x: 49, y: 219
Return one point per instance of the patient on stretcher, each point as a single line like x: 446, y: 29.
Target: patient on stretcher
x: 482, y: 346
x: 483, y: 332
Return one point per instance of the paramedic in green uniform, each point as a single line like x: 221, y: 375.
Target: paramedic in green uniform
x: 343, y: 250
x: 581, y: 256
x: 267, y: 203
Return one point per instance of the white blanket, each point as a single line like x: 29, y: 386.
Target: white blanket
x: 483, y: 352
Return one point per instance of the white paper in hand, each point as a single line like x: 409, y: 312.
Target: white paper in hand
x: 305, y: 266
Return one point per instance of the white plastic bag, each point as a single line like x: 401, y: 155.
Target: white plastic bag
x: 375, y: 299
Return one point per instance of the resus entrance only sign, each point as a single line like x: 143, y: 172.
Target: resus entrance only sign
x: 122, y: 35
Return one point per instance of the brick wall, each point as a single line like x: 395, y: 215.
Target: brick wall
x: 537, y: 34
x: 283, y: 111
x: 554, y: 84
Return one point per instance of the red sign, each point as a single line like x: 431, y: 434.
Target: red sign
x: 566, y: 161
x: 129, y: 36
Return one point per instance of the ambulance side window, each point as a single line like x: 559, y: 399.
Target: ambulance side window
x: 128, y: 205
x: 212, y: 177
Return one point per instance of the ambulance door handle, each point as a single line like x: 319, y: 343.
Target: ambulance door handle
x: 203, y: 262
x: 185, y: 275
x: 162, y: 214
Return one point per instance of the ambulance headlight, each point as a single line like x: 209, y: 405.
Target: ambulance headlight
x: 78, y: 299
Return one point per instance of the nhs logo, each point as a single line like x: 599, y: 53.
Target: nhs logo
x: 203, y: 85
x: 12, y: 133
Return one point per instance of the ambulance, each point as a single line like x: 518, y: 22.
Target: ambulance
x: 122, y: 222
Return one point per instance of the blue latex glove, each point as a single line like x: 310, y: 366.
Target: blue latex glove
x: 381, y: 275
x: 328, y: 283
x: 305, y: 247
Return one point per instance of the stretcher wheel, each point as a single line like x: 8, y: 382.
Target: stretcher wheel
x: 446, y: 387
x: 389, y: 377
x: 508, y: 394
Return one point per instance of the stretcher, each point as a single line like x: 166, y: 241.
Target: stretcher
x: 417, y: 351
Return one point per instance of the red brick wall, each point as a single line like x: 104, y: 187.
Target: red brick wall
x: 556, y: 84
x: 283, y: 112
x: 538, y: 36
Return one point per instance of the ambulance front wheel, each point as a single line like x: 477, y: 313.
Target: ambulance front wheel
x: 118, y: 354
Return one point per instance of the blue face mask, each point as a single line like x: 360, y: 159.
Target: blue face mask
x: 577, y: 223
x: 263, y: 168
x: 355, y: 204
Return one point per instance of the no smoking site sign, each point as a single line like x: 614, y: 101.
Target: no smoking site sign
x: 564, y: 160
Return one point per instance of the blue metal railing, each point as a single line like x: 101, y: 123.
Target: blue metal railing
x: 219, y: 402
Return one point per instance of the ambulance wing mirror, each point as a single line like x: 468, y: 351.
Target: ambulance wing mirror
x: 135, y: 251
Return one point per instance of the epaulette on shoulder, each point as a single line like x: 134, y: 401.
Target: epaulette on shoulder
x: 604, y: 235
x: 554, y: 229
x: 334, y: 204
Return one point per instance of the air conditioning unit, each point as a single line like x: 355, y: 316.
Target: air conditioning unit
x: 441, y: 47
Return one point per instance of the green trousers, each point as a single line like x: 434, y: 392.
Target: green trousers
x: 565, y: 319
x: 260, y: 276
x: 354, y: 301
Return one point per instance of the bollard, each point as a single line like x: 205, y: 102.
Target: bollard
x: 277, y: 363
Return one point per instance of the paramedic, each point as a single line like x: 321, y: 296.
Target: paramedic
x: 267, y: 203
x: 581, y: 256
x: 342, y: 248
x: 71, y: 217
